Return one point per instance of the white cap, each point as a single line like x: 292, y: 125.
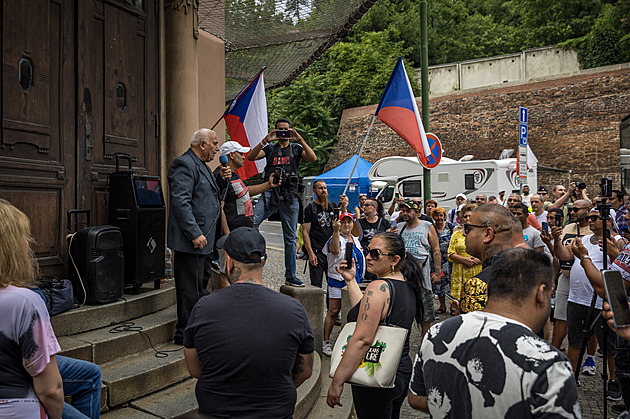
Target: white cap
x: 232, y: 146
x: 457, y: 196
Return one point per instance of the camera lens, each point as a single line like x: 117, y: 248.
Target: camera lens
x: 581, y: 185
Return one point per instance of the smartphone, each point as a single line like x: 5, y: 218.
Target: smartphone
x: 545, y: 228
x: 336, y: 213
x: 283, y: 133
x: 349, y: 248
x: 559, y: 220
x: 617, y: 297
x: 396, y: 195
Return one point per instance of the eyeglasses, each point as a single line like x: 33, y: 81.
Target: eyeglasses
x: 375, y: 254
x: 592, y: 218
x: 542, y: 193
x: 576, y: 209
x: 468, y: 227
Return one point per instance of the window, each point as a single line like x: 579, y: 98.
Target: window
x: 412, y: 188
x: 469, y: 181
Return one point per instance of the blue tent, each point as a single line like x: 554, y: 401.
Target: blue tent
x: 337, y: 178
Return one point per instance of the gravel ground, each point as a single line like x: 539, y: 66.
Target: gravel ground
x: 590, y: 391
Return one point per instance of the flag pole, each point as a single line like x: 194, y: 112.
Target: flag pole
x: 217, y: 123
x: 359, y: 156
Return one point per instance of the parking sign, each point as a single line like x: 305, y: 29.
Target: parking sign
x: 522, y: 115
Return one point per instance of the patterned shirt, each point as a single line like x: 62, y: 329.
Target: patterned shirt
x: 475, y: 292
x: 482, y: 365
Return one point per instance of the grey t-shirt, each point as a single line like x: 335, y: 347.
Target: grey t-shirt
x: 532, y: 237
x: 417, y: 243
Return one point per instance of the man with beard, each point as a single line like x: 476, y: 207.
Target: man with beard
x: 491, y: 363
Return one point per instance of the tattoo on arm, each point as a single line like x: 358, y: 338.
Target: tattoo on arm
x: 383, y: 288
x: 366, y: 307
x: 369, y: 293
x: 298, y: 367
x: 364, y: 316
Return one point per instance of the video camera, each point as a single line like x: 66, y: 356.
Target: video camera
x: 289, y: 180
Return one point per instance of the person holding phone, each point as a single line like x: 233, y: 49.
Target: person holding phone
x: 336, y: 250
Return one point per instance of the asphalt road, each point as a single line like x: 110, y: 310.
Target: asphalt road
x: 272, y: 232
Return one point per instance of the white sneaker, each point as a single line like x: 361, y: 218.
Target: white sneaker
x: 327, y: 348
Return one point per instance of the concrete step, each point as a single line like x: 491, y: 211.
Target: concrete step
x: 172, y: 402
x: 308, y: 392
x: 320, y: 409
x: 106, y: 344
x: 141, y: 374
x: 92, y: 317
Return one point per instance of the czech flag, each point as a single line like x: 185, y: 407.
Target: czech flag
x: 399, y: 110
x: 246, y: 120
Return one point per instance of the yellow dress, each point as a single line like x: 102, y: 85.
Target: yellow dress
x: 460, y: 273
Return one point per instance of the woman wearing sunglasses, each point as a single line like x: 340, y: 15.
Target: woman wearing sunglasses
x: 465, y: 266
x: 387, y: 259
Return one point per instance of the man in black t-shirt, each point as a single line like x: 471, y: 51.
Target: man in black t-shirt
x: 236, y: 207
x: 316, y: 230
x: 249, y: 347
x: 283, y: 161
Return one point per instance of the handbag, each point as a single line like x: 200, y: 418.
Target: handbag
x: 380, y: 363
x: 59, y: 294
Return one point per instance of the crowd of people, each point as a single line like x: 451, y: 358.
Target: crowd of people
x: 500, y: 261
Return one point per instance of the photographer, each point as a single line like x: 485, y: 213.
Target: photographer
x: 283, y: 162
x: 561, y: 197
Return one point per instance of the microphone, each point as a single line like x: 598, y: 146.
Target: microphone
x: 223, y: 159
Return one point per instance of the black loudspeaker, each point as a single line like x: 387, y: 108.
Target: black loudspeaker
x: 136, y: 206
x: 96, y: 263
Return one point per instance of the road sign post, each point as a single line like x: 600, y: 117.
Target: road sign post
x: 523, y: 131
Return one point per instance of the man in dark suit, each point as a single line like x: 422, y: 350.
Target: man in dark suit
x: 192, y: 221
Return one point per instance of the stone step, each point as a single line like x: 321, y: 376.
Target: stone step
x: 141, y: 374
x: 320, y: 409
x: 92, y: 317
x: 105, y: 344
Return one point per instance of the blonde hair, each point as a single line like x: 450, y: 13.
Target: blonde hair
x: 17, y: 261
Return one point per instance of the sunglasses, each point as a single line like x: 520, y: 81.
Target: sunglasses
x: 576, y: 209
x: 592, y: 218
x: 375, y: 254
x: 468, y: 227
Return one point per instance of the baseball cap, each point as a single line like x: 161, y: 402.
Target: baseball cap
x: 461, y: 195
x: 411, y: 204
x: 344, y: 215
x: 542, y: 189
x: 232, y: 146
x: 244, y: 244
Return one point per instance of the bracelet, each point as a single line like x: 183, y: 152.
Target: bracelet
x: 585, y: 257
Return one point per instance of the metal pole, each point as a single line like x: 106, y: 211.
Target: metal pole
x: 424, y: 80
x: 359, y: 156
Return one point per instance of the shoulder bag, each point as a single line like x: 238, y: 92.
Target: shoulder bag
x: 380, y: 363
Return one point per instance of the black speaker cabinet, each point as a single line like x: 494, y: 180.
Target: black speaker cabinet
x: 136, y: 206
x: 96, y: 263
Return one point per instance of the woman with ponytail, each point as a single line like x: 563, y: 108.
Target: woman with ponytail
x: 387, y: 259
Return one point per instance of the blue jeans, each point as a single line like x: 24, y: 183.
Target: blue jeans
x: 82, y: 381
x: 288, y: 209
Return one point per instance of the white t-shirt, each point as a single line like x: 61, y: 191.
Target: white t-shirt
x: 334, y: 260
x: 532, y: 238
x: 526, y: 198
x: 580, y: 288
x: 542, y: 217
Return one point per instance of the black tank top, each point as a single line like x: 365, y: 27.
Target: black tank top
x: 402, y: 315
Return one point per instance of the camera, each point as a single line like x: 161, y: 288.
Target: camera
x: 283, y: 133
x: 580, y: 185
x: 288, y: 179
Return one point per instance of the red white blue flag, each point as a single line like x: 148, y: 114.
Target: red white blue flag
x: 246, y: 120
x: 399, y: 110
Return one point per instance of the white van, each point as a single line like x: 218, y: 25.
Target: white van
x: 403, y: 176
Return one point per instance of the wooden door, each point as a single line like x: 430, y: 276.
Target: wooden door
x: 117, y: 95
x: 37, y: 170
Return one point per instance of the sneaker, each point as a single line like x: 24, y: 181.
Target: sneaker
x: 614, y: 390
x: 294, y: 282
x: 618, y: 408
x: 327, y: 348
x: 589, y: 367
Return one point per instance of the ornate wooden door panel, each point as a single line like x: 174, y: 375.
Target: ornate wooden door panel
x: 117, y: 95
x: 37, y: 137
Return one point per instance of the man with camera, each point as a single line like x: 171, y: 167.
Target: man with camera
x: 283, y: 165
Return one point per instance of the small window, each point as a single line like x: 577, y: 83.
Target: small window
x: 469, y: 181
x: 412, y: 188
x: 25, y: 74
x: 442, y: 177
x: 388, y: 193
x: 121, y: 96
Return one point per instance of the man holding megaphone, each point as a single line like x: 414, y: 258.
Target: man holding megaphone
x: 236, y: 205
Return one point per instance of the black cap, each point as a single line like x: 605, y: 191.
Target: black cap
x: 542, y: 189
x: 244, y: 244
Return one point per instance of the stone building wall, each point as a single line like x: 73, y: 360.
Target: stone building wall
x: 574, y: 124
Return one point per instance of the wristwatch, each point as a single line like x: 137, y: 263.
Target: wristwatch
x: 585, y: 257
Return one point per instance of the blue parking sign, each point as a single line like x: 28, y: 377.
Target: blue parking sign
x: 522, y: 115
x: 522, y: 134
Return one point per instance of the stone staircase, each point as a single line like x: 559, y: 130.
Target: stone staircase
x: 136, y: 382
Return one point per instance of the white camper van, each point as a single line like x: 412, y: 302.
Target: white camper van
x: 403, y: 176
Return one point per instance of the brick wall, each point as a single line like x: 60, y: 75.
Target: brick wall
x: 573, y: 124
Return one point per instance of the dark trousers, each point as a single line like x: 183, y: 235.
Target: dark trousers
x: 382, y: 403
x: 320, y: 271
x: 622, y: 365
x: 192, y: 273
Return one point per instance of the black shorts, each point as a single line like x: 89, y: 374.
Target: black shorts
x: 576, y: 316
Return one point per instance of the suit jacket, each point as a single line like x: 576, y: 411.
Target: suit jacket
x: 194, y: 204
